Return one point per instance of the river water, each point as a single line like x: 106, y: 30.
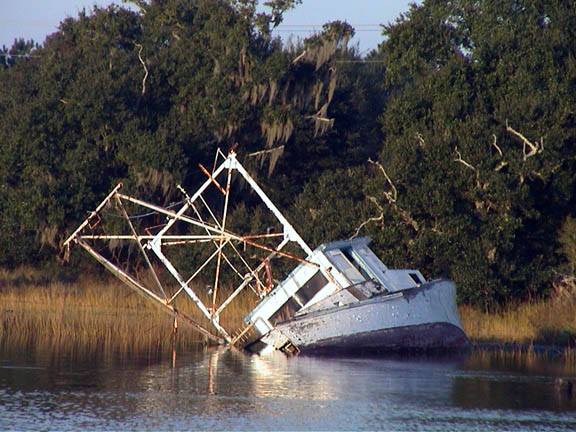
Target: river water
x: 223, y: 389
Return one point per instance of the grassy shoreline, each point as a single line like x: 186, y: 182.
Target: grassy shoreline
x: 92, y: 314
x: 108, y: 313
x: 546, y: 322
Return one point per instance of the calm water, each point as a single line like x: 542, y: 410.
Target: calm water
x: 221, y: 389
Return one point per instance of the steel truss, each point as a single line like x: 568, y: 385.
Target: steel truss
x: 198, y: 212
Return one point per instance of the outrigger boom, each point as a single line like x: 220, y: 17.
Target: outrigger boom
x: 210, y: 226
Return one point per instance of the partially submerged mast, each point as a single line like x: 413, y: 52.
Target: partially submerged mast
x: 201, y: 219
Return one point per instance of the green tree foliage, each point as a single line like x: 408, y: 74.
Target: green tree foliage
x: 476, y: 171
x: 142, y: 97
x: 455, y: 150
x: 567, y: 240
x: 61, y: 113
x: 354, y: 137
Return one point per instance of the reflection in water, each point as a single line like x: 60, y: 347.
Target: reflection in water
x: 223, y: 389
x: 512, y: 380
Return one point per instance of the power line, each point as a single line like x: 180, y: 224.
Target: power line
x: 311, y: 30
x: 19, y: 55
x: 311, y: 27
x: 359, y: 61
x: 335, y: 61
x: 321, y: 25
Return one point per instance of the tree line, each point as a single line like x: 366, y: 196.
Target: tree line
x: 452, y: 144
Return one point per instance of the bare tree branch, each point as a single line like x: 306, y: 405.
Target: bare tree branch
x: 272, y: 155
x: 391, y: 196
x: 372, y: 219
x: 145, y: 68
x: 420, y: 139
x: 536, y: 147
x: 408, y: 220
x: 264, y: 152
x: 494, y: 143
x: 462, y: 161
x: 459, y: 159
x: 500, y: 165
x: 299, y: 57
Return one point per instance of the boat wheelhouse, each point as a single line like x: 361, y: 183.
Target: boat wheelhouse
x: 356, y: 303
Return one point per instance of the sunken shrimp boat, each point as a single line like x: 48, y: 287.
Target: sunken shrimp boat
x: 357, y: 304
x: 338, y: 297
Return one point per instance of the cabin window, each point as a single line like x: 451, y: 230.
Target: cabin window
x: 300, y: 298
x: 357, y: 262
x: 286, y: 311
x: 315, y: 284
x: 415, y: 278
x: 371, y: 259
x: 343, y: 264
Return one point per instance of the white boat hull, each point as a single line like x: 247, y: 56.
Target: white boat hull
x: 419, y: 318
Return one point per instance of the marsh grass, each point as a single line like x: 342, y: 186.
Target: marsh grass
x: 99, y: 314
x: 550, y: 321
x: 102, y: 314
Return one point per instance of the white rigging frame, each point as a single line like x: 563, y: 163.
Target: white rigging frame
x: 215, y: 232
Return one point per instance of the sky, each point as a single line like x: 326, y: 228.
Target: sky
x: 36, y: 19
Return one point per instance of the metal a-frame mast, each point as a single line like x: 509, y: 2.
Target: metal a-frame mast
x: 213, y: 232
